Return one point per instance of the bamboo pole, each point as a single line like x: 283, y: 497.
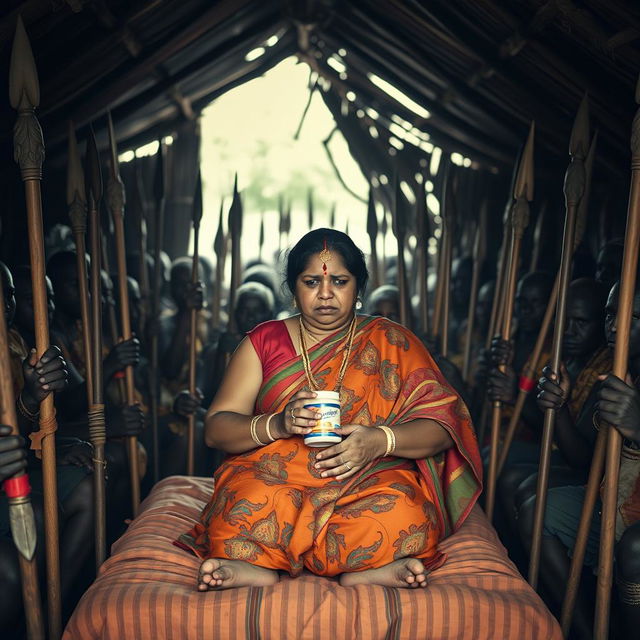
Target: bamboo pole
x: 479, y: 251
x: 154, y: 373
x: 527, y: 381
x: 22, y: 521
x: 523, y: 194
x: 423, y: 231
x: 193, y: 326
x: 97, y: 425
x: 24, y: 94
x: 620, y: 363
x: 235, y: 229
x: 372, y: 232
x: 399, y: 229
x: 115, y: 198
x: 574, y: 186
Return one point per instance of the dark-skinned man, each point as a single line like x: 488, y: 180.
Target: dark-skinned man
x: 617, y: 403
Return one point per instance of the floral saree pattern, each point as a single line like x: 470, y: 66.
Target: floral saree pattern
x: 272, y: 508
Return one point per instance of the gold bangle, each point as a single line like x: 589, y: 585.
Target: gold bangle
x: 267, y: 428
x: 391, y: 439
x: 254, y: 430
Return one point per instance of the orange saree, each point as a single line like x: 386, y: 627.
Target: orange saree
x: 270, y: 506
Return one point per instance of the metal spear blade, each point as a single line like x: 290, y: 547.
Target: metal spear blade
x: 23, y: 526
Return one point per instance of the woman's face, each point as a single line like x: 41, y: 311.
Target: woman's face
x: 326, y: 298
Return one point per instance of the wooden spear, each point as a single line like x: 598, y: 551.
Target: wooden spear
x: 523, y: 194
x: 574, y: 185
x: 620, y: 363
x: 448, y: 229
x: 97, y: 425
x: 142, y: 243
x: 423, y: 232
x: 479, y: 252
x: 24, y: 95
x: 115, y: 200
x: 261, y: 240
x: 77, y: 204
x: 527, y: 381
x: 399, y: 229
x: 21, y: 518
x: 193, y: 327
x: 159, y: 199
x: 537, y: 237
x: 220, y: 249
x: 235, y: 229
x: 372, y: 232
x: 310, y: 208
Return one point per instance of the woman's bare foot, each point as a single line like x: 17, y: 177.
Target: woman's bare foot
x: 406, y: 572
x: 221, y: 573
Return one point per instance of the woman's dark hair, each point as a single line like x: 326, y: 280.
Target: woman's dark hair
x: 314, y: 242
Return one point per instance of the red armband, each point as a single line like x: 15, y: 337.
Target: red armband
x: 118, y: 375
x: 17, y: 487
x: 527, y: 384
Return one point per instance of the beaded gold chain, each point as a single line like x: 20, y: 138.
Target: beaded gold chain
x: 345, y: 358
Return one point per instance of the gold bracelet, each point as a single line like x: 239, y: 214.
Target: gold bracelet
x: 268, y: 430
x: 254, y: 430
x: 391, y: 439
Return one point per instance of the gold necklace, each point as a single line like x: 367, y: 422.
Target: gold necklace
x: 345, y: 358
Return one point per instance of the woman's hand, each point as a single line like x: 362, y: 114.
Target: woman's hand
x: 295, y: 420
x: 43, y: 376
x: 551, y: 394
x: 361, y: 446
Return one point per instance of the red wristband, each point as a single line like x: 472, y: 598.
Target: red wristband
x: 118, y: 375
x: 526, y: 384
x: 17, y: 487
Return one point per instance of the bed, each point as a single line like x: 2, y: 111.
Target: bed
x: 147, y: 589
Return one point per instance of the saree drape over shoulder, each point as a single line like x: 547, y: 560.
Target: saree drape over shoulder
x: 270, y: 506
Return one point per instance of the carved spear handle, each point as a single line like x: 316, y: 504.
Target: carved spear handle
x: 24, y: 93
x: 620, y: 362
x: 97, y: 425
x: 193, y: 327
x: 115, y: 198
x: 523, y: 194
x: 574, y: 186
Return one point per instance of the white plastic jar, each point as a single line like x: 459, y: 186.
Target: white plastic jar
x: 327, y: 432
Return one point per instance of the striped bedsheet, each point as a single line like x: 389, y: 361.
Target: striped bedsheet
x: 147, y: 589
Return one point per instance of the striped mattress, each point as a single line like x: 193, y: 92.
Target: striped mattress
x: 147, y: 589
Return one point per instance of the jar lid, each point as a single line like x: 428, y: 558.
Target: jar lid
x: 327, y: 395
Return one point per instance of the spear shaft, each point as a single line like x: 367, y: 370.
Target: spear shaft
x: 519, y: 219
x: 24, y: 95
x: 574, y: 186
x: 620, y: 364
x: 115, y: 194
